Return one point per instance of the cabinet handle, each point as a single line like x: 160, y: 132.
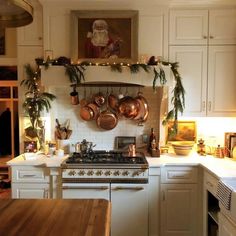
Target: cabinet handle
x: 211, y: 37
x: 209, y: 184
x: 28, y: 176
x: 204, y: 36
x: 209, y: 106
x: 86, y: 187
x: 128, y: 188
x: 203, y: 106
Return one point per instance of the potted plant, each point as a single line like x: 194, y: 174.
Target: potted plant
x: 36, y: 101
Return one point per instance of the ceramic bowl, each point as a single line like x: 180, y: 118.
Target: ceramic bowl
x: 182, y: 148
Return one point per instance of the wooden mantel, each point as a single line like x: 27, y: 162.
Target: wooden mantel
x: 49, y: 217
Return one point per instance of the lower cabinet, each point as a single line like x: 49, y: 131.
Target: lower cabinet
x: 30, y: 191
x: 226, y: 226
x: 30, y: 182
x: 179, y: 201
x: 129, y: 204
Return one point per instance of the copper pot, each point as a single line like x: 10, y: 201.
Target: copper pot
x: 99, y: 99
x: 113, y: 101
x: 95, y: 110
x: 86, y: 113
x: 128, y: 107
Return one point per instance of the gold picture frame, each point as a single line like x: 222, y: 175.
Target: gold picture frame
x: 186, y: 132
x: 122, y: 28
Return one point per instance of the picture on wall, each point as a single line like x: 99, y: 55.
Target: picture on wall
x: 2, y: 41
x: 104, y: 36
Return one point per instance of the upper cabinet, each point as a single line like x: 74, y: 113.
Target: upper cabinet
x: 202, y: 27
x: 32, y: 34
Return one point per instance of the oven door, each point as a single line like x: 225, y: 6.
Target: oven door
x: 85, y: 190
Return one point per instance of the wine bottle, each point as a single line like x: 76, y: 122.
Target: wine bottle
x: 152, y: 140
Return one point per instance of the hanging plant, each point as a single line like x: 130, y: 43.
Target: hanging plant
x: 75, y: 73
x: 36, y: 101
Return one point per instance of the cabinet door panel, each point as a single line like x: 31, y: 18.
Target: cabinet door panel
x: 193, y: 70
x: 179, y: 210
x: 188, y: 27
x: 129, y: 210
x: 30, y: 191
x: 222, y: 28
x: 221, y: 81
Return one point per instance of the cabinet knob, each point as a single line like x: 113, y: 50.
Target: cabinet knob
x: 204, y: 36
x: 211, y: 37
x: 40, y: 38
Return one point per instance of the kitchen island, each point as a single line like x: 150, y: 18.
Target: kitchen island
x: 49, y: 217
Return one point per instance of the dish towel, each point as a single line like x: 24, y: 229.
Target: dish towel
x: 224, y: 193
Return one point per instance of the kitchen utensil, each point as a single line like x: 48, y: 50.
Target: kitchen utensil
x: 99, y: 99
x: 143, y: 108
x: 74, y: 96
x: 95, y: 110
x: 107, y: 119
x: 83, y: 101
x: 129, y: 107
x: 113, y: 101
x: 86, y: 113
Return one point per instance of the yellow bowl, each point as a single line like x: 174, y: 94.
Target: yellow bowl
x: 182, y: 151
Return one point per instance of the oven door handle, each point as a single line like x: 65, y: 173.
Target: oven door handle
x: 128, y: 188
x: 85, y: 187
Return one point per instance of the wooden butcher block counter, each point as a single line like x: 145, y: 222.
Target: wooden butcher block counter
x: 50, y: 217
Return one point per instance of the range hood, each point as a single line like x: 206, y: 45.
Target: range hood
x: 99, y: 75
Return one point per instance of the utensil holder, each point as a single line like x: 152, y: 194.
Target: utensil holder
x: 64, y: 144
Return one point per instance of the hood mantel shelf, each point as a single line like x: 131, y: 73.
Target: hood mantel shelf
x: 99, y: 75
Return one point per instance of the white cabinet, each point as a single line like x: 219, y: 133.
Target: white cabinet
x: 226, y: 226
x: 179, y: 201
x: 192, y: 27
x: 30, y: 182
x: 32, y: 34
x: 154, y: 201
x: 207, y: 68
x: 129, y: 209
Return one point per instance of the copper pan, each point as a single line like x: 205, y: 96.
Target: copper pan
x: 86, y: 113
x: 129, y: 107
x: 95, y: 110
x: 113, y: 102
x: 144, y: 108
x: 99, y: 99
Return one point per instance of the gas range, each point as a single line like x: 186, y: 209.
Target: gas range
x: 101, y: 166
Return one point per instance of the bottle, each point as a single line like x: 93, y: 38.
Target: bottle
x: 152, y: 141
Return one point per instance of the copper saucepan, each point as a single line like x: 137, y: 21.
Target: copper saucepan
x: 86, y: 113
x: 107, y: 120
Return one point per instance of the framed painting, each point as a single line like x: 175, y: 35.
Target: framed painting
x: 186, y: 131
x: 104, y: 36
x: 2, y: 41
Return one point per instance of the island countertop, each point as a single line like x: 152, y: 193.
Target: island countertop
x: 50, y: 217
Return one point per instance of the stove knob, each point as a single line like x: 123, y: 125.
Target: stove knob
x: 71, y: 173
x: 99, y: 173
x: 90, y: 172
x: 116, y: 173
x: 108, y: 172
x: 81, y: 172
x: 125, y: 173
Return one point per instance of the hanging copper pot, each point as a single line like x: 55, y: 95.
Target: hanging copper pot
x: 144, y: 108
x: 74, y: 95
x: 128, y: 107
x: 99, y: 99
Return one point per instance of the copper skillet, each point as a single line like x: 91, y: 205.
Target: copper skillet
x: 107, y: 119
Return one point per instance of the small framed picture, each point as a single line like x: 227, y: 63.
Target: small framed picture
x: 30, y: 146
x: 230, y: 143
x: 186, y: 131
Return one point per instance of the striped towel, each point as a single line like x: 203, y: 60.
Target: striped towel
x: 224, y: 193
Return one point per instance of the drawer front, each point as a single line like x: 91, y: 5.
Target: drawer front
x: 210, y: 183
x: 179, y: 174
x: 30, y: 174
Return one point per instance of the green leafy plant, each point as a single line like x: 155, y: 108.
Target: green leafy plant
x: 36, y: 101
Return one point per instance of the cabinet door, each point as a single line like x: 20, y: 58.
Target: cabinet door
x: 221, y: 81
x: 226, y: 227
x: 179, y: 210
x: 193, y: 70
x: 129, y: 210
x: 30, y: 191
x: 32, y: 34
x: 222, y: 28
x: 188, y: 27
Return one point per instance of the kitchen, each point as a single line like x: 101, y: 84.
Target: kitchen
x: 56, y: 41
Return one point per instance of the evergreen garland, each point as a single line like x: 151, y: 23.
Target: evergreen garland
x: 75, y: 73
